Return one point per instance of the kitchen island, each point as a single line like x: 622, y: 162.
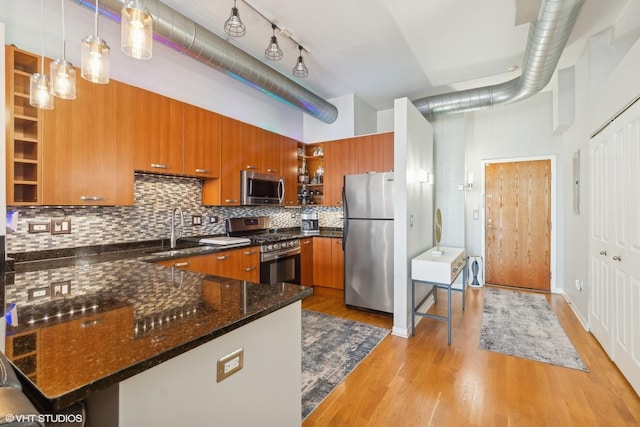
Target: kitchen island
x: 141, y: 344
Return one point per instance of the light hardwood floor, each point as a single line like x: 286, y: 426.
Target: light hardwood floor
x: 421, y: 381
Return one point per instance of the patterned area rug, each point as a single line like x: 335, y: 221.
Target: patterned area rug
x: 524, y: 325
x: 331, y: 348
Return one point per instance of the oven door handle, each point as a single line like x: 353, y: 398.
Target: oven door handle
x: 271, y: 256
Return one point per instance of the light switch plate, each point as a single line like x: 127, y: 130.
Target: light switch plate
x: 60, y: 226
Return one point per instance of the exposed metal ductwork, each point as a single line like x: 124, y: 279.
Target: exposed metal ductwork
x: 548, y: 36
x: 192, y: 39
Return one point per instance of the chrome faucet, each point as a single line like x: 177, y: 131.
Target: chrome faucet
x: 174, y: 235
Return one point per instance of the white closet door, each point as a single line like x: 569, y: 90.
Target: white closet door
x: 614, y: 314
x: 601, y: 292
x: 625, y: 253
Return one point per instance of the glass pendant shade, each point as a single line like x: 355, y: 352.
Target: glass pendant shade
x: 234, y: 26
x: 273, y: 52
x: 300, y: 70
x: 39, y: 91
x: 95, y: 60
x: 137, y: 30
x: 63, y: 79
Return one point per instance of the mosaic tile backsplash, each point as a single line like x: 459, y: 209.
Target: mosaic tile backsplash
x: 155, y: 198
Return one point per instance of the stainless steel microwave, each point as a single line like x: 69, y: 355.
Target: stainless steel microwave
x: 261, y: 188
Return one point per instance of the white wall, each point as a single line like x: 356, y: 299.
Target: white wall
x: 168, y: 72
x: 413, y: 221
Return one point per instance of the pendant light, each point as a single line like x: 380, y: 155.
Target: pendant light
x: 39, y: 88
x: 300, y: 70
x: 273, y: 51
x: 95, y: 56
x: 234, y: 26
x: 63, y: 74
x: 137, y: 30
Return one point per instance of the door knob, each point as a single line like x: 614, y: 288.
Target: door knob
x: 617, y: 258
x: 603, y: 253
x: 489, y: 224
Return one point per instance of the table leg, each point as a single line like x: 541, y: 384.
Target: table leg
x: 449, y: 315
x: 413, y: 307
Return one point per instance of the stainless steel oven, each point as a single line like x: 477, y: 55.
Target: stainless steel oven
x: 281, y: 265
x: 279, y: 252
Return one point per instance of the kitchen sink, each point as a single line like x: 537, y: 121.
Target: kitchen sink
x: 185, y: 251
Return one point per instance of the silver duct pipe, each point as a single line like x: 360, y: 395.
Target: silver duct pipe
x: 192, y: 39
x: 548, y: 36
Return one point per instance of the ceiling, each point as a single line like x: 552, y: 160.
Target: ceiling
x: 381, y: 50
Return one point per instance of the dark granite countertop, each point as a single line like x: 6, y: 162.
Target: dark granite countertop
x: 124, y: 315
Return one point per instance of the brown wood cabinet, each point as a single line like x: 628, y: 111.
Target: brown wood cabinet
x: 340, y: 159
x: 158, y: 135
x: 226, y: 190
x: 23, y: 130
x: 375, y: 152
x: 88, y: 159
x: 240, y: 264
x: 201, y: 142
x: 289, y: 169
x: 328, y: 262
x: 306, y: 261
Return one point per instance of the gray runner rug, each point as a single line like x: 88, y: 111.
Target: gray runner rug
x: 331, y: 348
x: 523, y: 324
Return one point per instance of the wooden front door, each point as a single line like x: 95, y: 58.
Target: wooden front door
x: 518, y: 224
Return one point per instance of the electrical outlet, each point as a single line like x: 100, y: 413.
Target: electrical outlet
x: 230, y: 364
x: 196, y: 220
x: 213, y: 219
x: 578, y: 284
x: 60, y: 226
x: 39, y: 227
x: 60, y: 289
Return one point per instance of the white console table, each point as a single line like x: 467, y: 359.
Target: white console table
x: 440, y: 271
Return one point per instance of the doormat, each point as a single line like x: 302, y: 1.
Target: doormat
x: 524, y: 325
x: 331, y: 348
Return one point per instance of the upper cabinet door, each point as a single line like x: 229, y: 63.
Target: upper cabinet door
x: 158, y: 134
x: 85, y: 160
x: 289, y: 169
x: 340, y: 159
x: 375, y: 152
x: 201, y: 142
x: 271, y: 153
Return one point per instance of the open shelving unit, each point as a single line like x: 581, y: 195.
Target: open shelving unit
x: 24, y: 130
x: 313, y: 162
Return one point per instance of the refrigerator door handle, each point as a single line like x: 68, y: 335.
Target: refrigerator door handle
x: 345, y: 216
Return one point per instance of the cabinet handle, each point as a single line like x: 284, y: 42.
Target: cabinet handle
x: 222, y: 257
x: 159, y: 166
x: 603, y: 253
x: 339, y: 242
x: 272, y: 170
x: 339, y: 202
x: 249, y: 269
x: 92, y: 198
x: 90, y: 323
x: 202, y: 171
x: 249, y: 252
x: 181, y: 264
x: 231, y: 200
x: 617, y: 258
x: 251, y: 167
x: 306, y: 242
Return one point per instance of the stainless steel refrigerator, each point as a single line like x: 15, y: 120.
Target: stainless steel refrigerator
x: 368, y: 241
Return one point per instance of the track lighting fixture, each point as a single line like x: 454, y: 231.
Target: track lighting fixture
x: 63, y: 73
x: 234, y: 26
x: 300, y: 70
x: 273, y: 51
x: 137, y: 30
x: 39, y: 87
x: 95, y: 56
